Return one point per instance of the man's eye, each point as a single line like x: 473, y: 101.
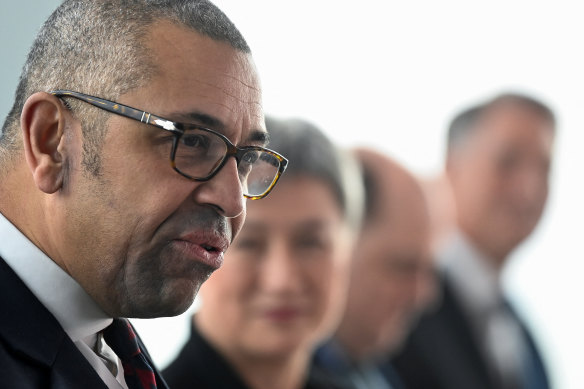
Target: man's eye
x: 247, y: 161
x: 198, y: 141
x: 250, y: 244
x: 250, y: 157
x: 244, y: 169
x: 309, y: 242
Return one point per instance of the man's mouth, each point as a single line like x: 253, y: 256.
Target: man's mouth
x: 204, y: 247
x: 209, y: 248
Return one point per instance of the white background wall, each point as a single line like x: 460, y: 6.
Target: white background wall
x: 391, y: 74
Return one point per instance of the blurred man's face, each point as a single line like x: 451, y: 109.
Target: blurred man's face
x: 390, y: 283
x: 391, y: 277
x: 499, y: 176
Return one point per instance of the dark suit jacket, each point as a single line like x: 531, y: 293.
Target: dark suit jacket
x: 331, y: 361
x: 442, y: 352
x: 35, y: 351
x: 200, y: 366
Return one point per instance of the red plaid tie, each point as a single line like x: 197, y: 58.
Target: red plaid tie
x: 137, y: 371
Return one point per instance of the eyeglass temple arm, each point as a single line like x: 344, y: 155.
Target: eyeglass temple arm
x: 121, y: 109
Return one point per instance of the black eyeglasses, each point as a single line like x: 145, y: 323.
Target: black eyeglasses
x: 199, y: 153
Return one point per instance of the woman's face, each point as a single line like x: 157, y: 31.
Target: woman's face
x: 283, y: 283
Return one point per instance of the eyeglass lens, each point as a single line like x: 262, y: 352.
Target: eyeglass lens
x: 199, y: 153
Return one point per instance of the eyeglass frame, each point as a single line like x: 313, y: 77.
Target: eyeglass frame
x: 178, y: 130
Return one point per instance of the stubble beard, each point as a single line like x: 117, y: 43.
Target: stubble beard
x: 149, y: 292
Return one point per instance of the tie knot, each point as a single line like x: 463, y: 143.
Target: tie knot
x: 138, y: 372
x: 121, y: 338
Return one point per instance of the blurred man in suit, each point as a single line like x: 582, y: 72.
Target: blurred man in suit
x: 109, y: 211
x: 391, y: 277
x: 498, y: 163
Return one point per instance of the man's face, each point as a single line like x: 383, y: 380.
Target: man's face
x: 284, y: 281
x: 140, y: 238
x: 500, y: 178
x: 392, y: 265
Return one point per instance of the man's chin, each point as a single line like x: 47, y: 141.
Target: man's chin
x: 162, y: 309
x: 171, y: 300
x: 174, y: 293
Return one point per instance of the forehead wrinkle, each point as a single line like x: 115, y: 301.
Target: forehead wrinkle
x: 250, y: 86
x: 256, y: 135
x: 228, y: 91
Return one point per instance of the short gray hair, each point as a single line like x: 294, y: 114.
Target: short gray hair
x: 464, y: 123
x: 310, y: 153
x: 96, y: 47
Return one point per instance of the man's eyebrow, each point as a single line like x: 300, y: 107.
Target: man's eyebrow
x: 257, y: 137
x: 198, y: 118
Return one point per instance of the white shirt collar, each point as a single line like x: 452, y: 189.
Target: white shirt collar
x: 74, y: 309
x: 472, y: 274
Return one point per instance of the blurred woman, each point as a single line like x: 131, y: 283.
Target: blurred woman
x: 281, y: 289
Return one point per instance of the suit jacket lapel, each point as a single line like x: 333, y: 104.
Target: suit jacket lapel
x: 534, y: 371
x: 454, y: 345
x: 33, y: 333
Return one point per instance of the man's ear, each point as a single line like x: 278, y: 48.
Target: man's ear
x: 43, y: 124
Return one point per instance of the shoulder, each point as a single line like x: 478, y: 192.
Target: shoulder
x: 199, y: 365
x: 35, y: 352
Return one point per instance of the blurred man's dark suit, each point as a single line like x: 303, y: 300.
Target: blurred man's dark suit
x: 442, y: 352
x: 331, y: 360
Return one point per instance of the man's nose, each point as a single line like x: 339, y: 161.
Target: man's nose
x: 531, y: 186
x: 280, y: 272
x: 223, y: 191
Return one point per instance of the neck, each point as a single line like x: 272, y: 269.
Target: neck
x: 259, y: 370
x: 496, y: 256
x: 354, y: 342
x: 18, y: 202
x: 265, y: 372
x: 26, y: 208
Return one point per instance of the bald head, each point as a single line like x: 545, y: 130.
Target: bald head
x: 393, y: 195
x: 391, y: 276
